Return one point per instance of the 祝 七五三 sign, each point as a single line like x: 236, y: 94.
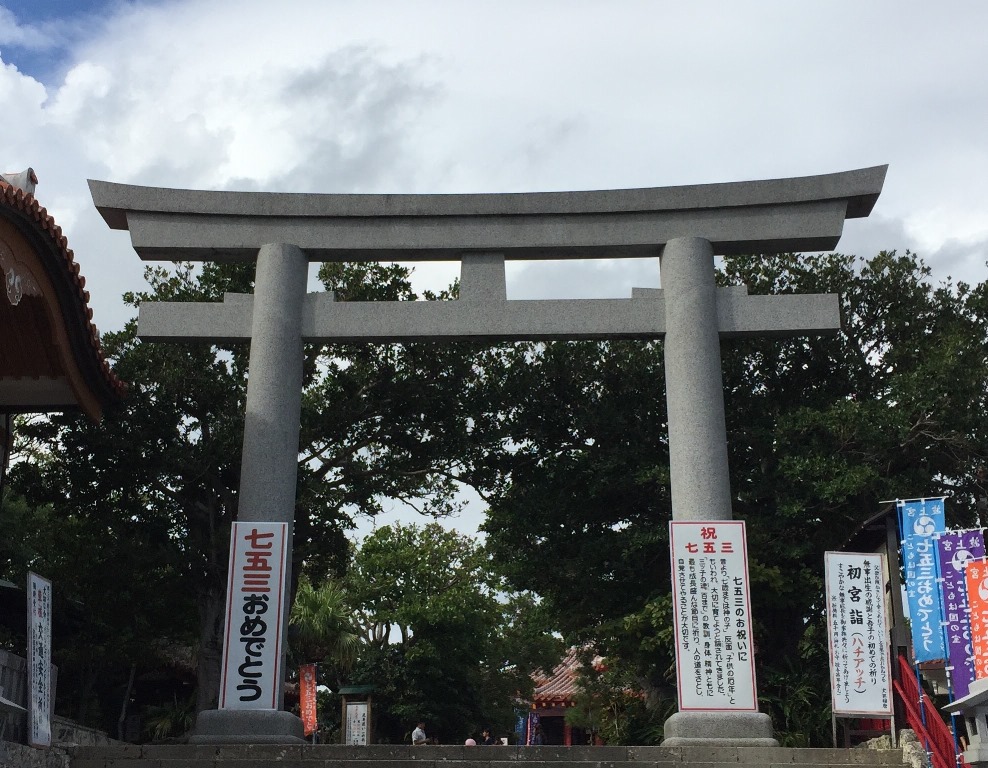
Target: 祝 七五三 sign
x: 859, y: 658
x: 715, y: 657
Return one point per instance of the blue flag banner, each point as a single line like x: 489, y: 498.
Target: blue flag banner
x: 919, y: 522
x: 535, y: 737
x: 521, y: 719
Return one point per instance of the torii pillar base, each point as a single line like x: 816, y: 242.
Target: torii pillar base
x: 247, y: 726
x: 713, y: 729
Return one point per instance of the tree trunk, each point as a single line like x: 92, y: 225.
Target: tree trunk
x: 126, y: 701
x: 89, y: 676
x: 211, y: 604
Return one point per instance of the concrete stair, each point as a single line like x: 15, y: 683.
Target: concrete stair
x: 390, y: 756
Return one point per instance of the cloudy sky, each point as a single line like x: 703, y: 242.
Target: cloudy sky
x: 433, y: 96
x: 513, y: 95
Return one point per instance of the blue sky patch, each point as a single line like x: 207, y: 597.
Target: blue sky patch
x: 48, y: 28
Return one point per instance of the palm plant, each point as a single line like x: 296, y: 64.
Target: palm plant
x: 321, y: 627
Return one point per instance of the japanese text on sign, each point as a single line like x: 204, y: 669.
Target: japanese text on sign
x: 252, y: 643
x: 356, y: 724
x: 859, y: 652
x: 955, y: 549
x: 307, y: 698
x: 920, y: 521
x: 976, y: 576
x: 39, y: 693
x: 712, y: 614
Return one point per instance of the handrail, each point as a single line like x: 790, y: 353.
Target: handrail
x: 932, y: 730
x: 915, y: 721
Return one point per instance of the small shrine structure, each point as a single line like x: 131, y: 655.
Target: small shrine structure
x: 555, y: 693
x: 50, y: 354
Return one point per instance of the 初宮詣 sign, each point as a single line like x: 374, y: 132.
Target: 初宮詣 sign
x: 860, y: 678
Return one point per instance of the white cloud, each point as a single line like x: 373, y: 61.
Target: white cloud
x: 441, y: 96
x: 22, y: 98
x: 29, y: 36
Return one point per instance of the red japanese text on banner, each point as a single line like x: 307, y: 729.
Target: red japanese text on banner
x: 976, y: 576
x: 307, y: 697
x: 715, y: 660
x: 254, y: 607
x: 860, y: 677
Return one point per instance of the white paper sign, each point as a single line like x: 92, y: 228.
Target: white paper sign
x: 715, y: 664
x: 859, y: 643
x: 254, y: 607
x: 39, y: 693
x: 356, y: 724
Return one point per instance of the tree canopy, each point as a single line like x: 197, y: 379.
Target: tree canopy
x: 445, y: 642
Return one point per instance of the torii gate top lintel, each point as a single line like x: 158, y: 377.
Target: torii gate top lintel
x: 792, y: 214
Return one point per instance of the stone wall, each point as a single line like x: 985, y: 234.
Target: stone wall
x: 913, y: 753
x: 20, y: 756
x: 64, y: 732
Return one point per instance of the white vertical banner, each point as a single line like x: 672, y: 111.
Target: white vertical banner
x: 254, y: 610
x: 860, y: 677
x: 715, y: 660
x: 356, y: 723
x: 39, y: 693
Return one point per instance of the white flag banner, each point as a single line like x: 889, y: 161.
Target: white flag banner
x: 254, y: 608
x: 860, y: 677
x: 39, y: 693
x: 715, y: 660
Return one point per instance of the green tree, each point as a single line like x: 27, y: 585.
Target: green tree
x: 443, y: 643
x: 321, y: 629
x: 113, y: 606
x: 579, y: 504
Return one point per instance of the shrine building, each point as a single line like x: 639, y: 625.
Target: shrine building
x: 50, y: 354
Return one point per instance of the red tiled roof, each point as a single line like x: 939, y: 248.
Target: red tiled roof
x: 74, y: 298
x: 561, y: 685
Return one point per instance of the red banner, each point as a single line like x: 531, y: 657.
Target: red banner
x: 977, y: 596
x: 307, y: 697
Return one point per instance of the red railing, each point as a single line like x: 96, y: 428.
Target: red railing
x: 925, y: 720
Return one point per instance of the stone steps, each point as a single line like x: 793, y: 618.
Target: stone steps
x: 389, y: 756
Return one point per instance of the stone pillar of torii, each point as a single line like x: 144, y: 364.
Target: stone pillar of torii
x: 683, y: 227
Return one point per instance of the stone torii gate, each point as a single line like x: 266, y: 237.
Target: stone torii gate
x: 684, y: 227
